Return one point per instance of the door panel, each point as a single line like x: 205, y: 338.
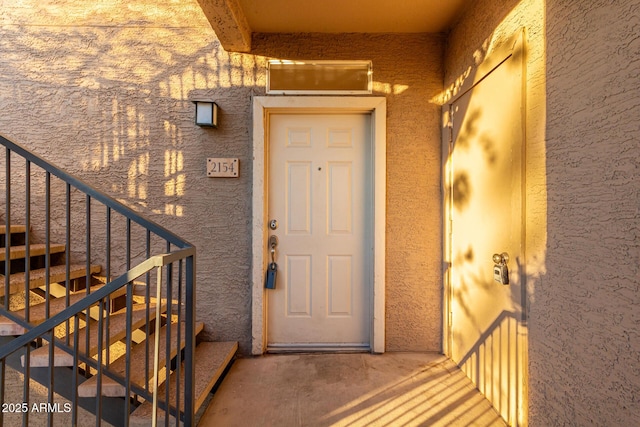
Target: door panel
x: 339, y: 198
x: 298, y: 188
x: 318, y: 188
x: 340, y: 285
x: 298, y: 285
x: 487, y: 218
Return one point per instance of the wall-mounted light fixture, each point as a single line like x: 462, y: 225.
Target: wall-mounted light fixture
x: 206, y: 114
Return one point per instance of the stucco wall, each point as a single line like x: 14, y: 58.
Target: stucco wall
x: 585, y: 320
x: 582, y: 237
x: 408, y: 71
x: 104, y: 91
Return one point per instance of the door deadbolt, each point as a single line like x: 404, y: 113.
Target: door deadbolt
x: 273, y: 224
x: 502, y: 258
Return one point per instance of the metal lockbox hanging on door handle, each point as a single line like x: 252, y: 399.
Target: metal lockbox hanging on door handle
x: 272, y: 269
x: 500, y: 269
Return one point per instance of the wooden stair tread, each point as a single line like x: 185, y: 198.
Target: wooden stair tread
x: 112, y: 388
x: 211, y: 359
x: 37, y: 312
x: 35, y: 249
x: 37, y: 277
x: 17, y: 228
x: 117, y: 331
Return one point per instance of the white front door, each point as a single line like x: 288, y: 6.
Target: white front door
x: 319, y: 186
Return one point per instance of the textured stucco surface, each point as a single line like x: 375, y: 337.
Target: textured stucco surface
x: 585, y: 319
x: 582, y: 236
x: 104, y: 91
x: 408, y: 71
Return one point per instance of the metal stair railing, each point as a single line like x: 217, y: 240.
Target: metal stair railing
x: 155, y: 251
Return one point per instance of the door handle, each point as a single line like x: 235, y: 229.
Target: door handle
x: 273, y: 243
x: 502, y: 258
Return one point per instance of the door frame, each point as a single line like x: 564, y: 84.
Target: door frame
x: 263, y: 107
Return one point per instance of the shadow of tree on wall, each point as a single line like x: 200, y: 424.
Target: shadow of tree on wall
x: 469, y: 131
x: 468, y: 138
x: 118, y: 97
x: 461, y: 190
x: 112, y: 90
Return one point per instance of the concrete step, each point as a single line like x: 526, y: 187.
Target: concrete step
x: 37, y: 312
x: 211, y: 360
x: 37, y: 277
x: 111, y: 388
x: 117, y: 331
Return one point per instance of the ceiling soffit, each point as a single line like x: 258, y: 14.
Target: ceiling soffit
x: 235, y: 20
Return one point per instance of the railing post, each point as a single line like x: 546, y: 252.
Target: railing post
x: 179, y: 358
x: 169, y: 296
x: 47, y: 285
x: 129, y: 334
x: 27, y: 277
x: 7, y: 244
x: 147, y: 302
x: 190, y: 344
x: 101, y: 337
x: 67, y: 255
x: 156, y: 351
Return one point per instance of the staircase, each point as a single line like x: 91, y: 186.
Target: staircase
x: 106, y: 315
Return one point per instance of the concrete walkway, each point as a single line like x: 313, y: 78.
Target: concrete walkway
x: 394, y: 389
